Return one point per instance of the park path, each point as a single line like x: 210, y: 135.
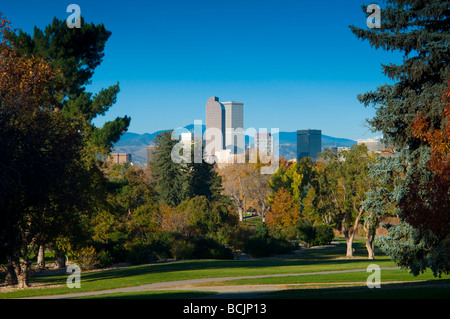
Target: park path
x: 228, y: 292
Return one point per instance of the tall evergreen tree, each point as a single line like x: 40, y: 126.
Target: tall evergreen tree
x: 420, y: 30
x: 202, y: 179
x: 76, y: 52
x: 168, y: 177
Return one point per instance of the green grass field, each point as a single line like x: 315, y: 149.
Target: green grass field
x: 306, y: 286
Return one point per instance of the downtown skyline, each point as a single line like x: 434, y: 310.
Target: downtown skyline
x: 295, y: 64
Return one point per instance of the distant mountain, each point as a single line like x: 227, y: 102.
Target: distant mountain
x: 136, y: 144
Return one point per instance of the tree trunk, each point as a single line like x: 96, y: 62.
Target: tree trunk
x: 60, y: 259
x: 21, y: 270
x: 41, y: 257
x: 11, y: 278
x: 349, y: 236
x: 370, y: 248
x: 370, y: 240
x: 241, y: 214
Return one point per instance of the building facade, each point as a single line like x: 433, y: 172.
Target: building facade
x: 309, y: 143
x: 120, y: 158
x: 224, y: 127
x: 215, y: 126
x: 264, y: 142
x: 234, y: 127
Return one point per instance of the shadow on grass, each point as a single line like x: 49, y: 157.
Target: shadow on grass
x: 154, y: 295
x: 411, y: 290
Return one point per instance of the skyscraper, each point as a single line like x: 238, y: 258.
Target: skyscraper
x: 215, y: 125
x: 309, y: 143
x: 264, y: 142
x: 234, y: 127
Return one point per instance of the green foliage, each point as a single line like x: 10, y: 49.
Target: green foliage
x: 315, y: 235
x: 419, y: 30
x: 324, y: 235
x: 139, y: 252
x: 169, y: 178
x: 76, y: 53
x: 85, y: 257
x: 104, y: 259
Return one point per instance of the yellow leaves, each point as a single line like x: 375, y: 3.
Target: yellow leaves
x: 28, y: 80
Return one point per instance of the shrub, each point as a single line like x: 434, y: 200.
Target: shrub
x: 306, y: 234
x: 199, y: 248
x: 257, y: 246
x: 85, y: 257
x: 311, y: 235
x: 324, y: 235
x: 139, y: 253
x: 104, y: 259
x: 182, y: 249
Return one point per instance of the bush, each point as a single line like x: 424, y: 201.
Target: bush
x: 306, y: 234
x: 324, y: 235
x: 257, y: 246
x: 199, y: 248
x: 104, y: 259
x: 182, y: 249
x: 140, y: 253
x: 85, y: 257
x: 311, y: 235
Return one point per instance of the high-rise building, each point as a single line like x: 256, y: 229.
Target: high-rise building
x: 215, y: 125
x: 309, y: 143
x: 264, y: 142
x: 234, y: 127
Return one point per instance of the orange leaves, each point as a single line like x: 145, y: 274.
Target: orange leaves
x: 27, y: 82
x: 439, y: 140
x: 284, y: 211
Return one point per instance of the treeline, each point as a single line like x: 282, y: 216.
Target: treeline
x: 307, y: 201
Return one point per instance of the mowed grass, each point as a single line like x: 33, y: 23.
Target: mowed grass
x: 311, y: 260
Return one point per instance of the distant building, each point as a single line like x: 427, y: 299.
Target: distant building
x: 224, y: 127
x: 373, y: 145
x: 234, y: 127
x: 120, y: 158
x: 150, y: 153
x: 264, y: 143
x: 309, y: 143
x: 215, y: 125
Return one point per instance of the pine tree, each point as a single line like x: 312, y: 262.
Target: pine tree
x: 420, y: 30
x: 169, y: 178
x: 76, y: 53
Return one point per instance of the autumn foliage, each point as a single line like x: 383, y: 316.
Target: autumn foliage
x: 284, y: 211
x: 427, y: 206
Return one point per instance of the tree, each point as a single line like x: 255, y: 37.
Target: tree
x: 345, y: 182
x: 284, y: 212
x: 38, y: 145
x: 235, y: 178
x: 169, y: 178
x: 202, y: 178
x: 419, y: 30
x: 76, y: 52
x: 258, y: 189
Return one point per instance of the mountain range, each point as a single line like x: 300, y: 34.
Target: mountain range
x: 136, y: 144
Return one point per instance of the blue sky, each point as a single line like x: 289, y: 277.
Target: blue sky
x: 294, y: 64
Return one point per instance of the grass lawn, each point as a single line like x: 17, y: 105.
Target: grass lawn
x: 311, y: 260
